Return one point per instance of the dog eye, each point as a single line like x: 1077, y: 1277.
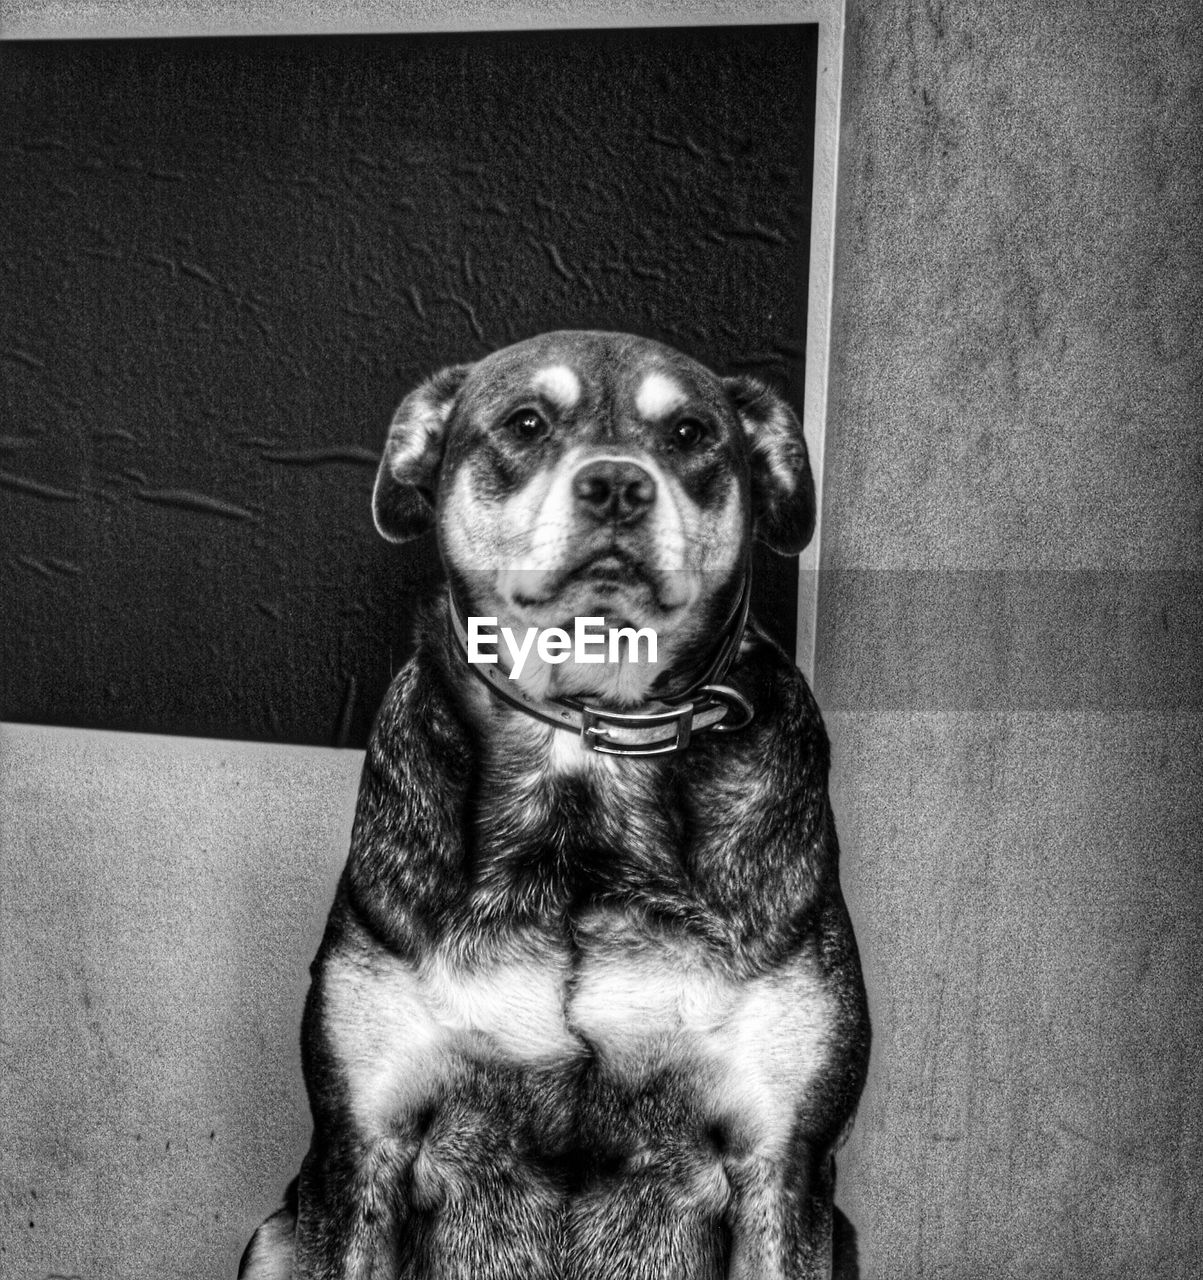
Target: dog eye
x: 526, y: 425
x: 687, y: 434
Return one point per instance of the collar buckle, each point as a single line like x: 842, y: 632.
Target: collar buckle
x: 595, y: 723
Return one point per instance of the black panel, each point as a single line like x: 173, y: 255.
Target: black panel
x: 223, y: 262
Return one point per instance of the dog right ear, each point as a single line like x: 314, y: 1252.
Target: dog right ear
x: 403, y: 499
x: 783, y: 489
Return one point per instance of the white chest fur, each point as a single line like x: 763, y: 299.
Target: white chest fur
x: 642, y: 1004
x: 750, y: 1049
x: 401, y: 1031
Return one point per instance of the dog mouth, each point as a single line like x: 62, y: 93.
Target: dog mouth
x: 603, y: 576
x: 611, y: 567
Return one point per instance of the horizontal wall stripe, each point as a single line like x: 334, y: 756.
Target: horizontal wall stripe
x: 1010, y: 640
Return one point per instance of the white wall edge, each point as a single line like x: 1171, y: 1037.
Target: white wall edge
x: 830, y: 17
x: 96, y: 19
x: 26, y: 736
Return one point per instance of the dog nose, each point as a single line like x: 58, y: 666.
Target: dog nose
x: 613, y: 491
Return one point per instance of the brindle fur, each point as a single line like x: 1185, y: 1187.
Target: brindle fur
x: 615, y: 1146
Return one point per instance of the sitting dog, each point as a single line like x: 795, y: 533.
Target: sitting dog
x: 588, y: 1005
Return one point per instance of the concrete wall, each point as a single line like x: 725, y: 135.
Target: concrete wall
x: 1012, y: 691
x: 1009, y: 632
x: 160, y: 901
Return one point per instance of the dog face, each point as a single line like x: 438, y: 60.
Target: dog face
x: 584, y: 474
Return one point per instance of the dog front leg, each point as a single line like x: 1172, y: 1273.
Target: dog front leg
x: 315, y: 1235
x: 350, y: 1215
x: 781, y: 1218
x: 271, y: 1251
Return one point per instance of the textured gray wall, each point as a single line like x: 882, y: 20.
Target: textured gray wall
x: 160, y: 901
x: 1014, y: 447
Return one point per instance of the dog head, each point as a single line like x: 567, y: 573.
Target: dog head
x: 583, y: 474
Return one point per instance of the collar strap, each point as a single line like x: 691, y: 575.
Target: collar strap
x: 664, y: 729
x: 732, y: 633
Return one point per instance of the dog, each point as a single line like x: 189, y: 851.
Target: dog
x: 588, y: 1005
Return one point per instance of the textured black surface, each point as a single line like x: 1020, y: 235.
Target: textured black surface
x: 223, y: 262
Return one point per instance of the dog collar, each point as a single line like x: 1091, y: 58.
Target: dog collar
x: 665, y: 729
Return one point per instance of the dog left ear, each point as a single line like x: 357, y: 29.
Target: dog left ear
x: 403, y: 499
x: 783, y: 489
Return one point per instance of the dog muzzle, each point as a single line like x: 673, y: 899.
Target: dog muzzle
x: 666, y: 727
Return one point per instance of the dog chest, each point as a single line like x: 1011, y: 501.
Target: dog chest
x: 752, y: 1049
x: 401, y: 1032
